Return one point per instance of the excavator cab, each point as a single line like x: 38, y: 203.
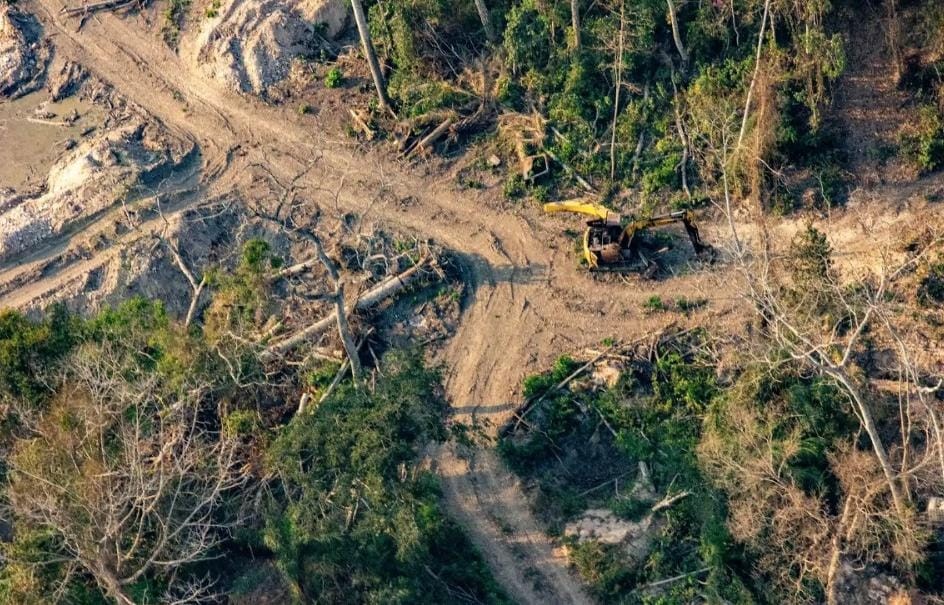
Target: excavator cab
x: 611, y: 242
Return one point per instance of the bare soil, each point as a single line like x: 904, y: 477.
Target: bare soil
x: 872, y: 108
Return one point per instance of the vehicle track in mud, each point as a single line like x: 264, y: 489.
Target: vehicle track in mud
x: 526, y: 303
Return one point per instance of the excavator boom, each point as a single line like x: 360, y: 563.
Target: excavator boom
x: 686, y: 217
x: 586, y: 207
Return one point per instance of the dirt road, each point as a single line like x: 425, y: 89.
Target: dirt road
x: 527, y: 302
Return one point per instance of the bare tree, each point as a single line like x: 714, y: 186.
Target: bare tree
x: 364, y: 30
x: 132, y: 484
x: 196, y: 285
x: 793, y: 319
x: 619, y: 86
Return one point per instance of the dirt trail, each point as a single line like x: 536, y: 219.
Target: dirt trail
x: 871, y: 108
x: 527, y: 304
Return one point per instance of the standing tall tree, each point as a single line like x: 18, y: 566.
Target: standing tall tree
x: 375, y: 71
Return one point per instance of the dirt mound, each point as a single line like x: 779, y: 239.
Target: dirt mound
x: 252, y: 43
x: 98, y: 174
x: 23, y: 55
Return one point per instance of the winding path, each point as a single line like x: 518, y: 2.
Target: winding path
x: 527, y: 303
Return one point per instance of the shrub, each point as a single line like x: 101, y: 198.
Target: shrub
x: 924, y: 145
x: 514, y: 187
x: 334, y: 78
x: 654, y: 304
x: 526, y: 38
x: 931, y: 288
x: 363, y: 522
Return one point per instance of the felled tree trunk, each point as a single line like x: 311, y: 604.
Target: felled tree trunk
x: 676, y: 35
x: 371, y: 298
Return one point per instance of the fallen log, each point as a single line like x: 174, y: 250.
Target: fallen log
x: 432, y: 137
x: 365, y: 301
x: 95, y: 7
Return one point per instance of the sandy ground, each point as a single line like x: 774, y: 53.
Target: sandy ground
x: 527, y: 302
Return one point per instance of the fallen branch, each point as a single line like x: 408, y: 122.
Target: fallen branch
x: 95, y: 7
x: 432, y: 137
x: 559, y: 386
x: 669, y: 501
x: 365, y: 301
x: 604, y: 484
x: 48, y: 122
x: 362, y: 125
x: 336, y: 381
x: 297, y: 268
x: 580, y: 180
x: 672, y: 579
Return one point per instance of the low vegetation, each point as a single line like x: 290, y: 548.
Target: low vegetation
x: 150, y: 462
x: 767, y: 481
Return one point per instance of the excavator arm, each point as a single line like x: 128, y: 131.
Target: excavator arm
x: 586, y: 207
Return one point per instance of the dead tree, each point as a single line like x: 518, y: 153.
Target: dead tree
x: 376, y: 73
x: 575, y: 22
x: 619, y: 85
x: 196, y: 285
x: 750, y: 90
x: 133, y: 487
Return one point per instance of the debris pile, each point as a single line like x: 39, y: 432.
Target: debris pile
x: 250, y: 46
x: 23, y: 54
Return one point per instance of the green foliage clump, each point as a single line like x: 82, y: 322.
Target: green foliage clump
x: 28, y: 349
x: 526, y: 38
x: 654, y: 304
x: 361, y: 521
x: 334, y: 78
x: 514, y: 187
x: 213, y: 10
x: 924, y: 145
x: 27, y: 578
x: 931, y: 287
x: 174, y: 15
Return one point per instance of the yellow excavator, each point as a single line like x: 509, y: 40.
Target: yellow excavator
x: 610, y: 242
